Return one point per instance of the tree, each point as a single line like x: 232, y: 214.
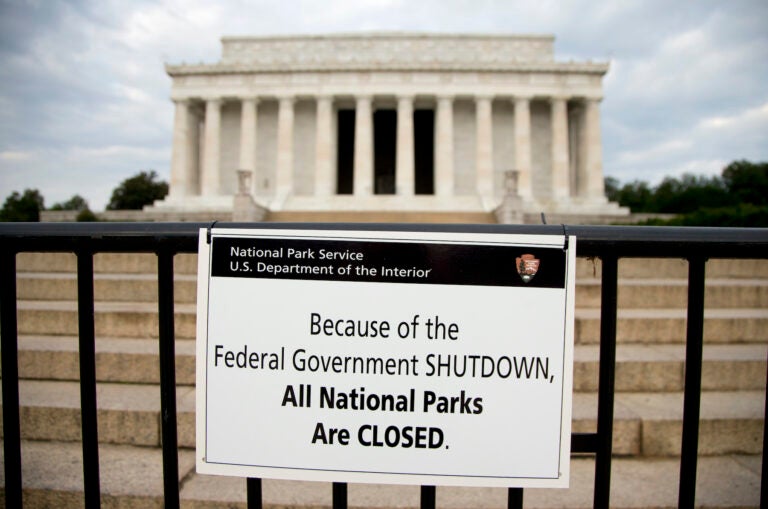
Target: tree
x: 741, y: 182
x: 611, y: 185
x: 636, y: 195
x: 738, y: 198
x: 689, y: 193
x: 135, y: 192
x: 80, y: 205
x: 747, y: 182
x: 77, y: 202
x: 86, y: 215
x: 23, y: 207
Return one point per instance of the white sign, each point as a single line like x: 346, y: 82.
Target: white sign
x: 385, y: 357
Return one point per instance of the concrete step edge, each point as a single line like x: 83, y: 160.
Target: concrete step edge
x: 645, y: 424
x: 583, y: 313
x: 132, y: 476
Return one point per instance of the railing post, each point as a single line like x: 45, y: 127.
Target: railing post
x: 10, y: 367
x: 694, y: 344
x: 88, y: 408
x: 253, y: 492
x: 428, y: 495
x: 515, y: 498
x: 167, y: 378
x: 608, y: 296
x: 339, y: 495
x: 764, y: 471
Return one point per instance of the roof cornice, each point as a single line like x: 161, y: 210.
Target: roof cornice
x: 599, y: 68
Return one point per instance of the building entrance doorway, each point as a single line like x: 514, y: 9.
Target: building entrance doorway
x: 385, y: 151
x: 345, y: 151
x: 424, y: 151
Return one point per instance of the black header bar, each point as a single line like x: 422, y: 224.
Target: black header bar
x: 385, y: 261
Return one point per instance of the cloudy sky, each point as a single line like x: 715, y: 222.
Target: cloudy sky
x: 84, y: 97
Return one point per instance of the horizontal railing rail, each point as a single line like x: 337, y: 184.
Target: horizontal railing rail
x: 608, y: 243
x: 622, y: 241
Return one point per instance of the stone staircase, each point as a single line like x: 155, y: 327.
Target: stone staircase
x: 648, y: 413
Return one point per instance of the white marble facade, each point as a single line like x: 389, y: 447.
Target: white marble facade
x: 303, y: 114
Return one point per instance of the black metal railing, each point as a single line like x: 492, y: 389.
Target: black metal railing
x: 609, y: 243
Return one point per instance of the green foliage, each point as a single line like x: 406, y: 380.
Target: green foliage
x: 86, y: 215
x: 636, y: 195
x: 612, y: 188
x: 747, y: 182
x: 689, y: 193
x: 741, y: 183
x: 745, y: 215
x: 77, y: 202
x: 23, y: 207
x: 137, y: 191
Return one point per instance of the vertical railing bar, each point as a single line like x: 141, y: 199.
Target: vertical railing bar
x: 605, y: 403
x: 764, y: 472
x: 339, y: 495
x: 253, y: 491
x: 88, y: 408
x: 515, y: 498
x: 694, y: 345
x: 10, y: 367
x: 428, y: 495
x: 167, y: 353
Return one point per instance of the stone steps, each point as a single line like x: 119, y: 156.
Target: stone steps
x: 132, y: 477
x: 673, y: 293
x: 107, y: 287
x: 664, y: 326
x: 128, y: 414
x: 112, y: 319
x: 104, y: 263
x: 639, y: 368
x: 646, y: 424
x: 139, y: 320
x: 632, y: 293
x: 652, y: 295
x: 130, y: 360
x: 661, y: 368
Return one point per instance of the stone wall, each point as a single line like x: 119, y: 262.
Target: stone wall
x: 393, y: 50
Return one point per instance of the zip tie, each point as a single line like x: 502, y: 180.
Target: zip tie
x: 565, y: 236
x: 209, y: 230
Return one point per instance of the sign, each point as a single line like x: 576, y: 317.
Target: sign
x: 385, y: 357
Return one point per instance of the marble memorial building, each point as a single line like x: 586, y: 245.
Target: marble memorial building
x: 388, y: 121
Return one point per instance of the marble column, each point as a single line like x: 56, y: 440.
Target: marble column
x: 248, y: 124
x: 444, y: 147
x: 560, y: 164
x: 180, y: 159
x: 284, y: 177
x: 523, y: 146
x: 404, y: 170
x: 593, y: 166
x: 484, y: 146
x: 211, y: 178
x: 325, y: 182
x: 363, y: 170
x: 194, y: 152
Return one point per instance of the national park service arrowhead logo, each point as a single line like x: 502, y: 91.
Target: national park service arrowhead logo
x: 527, y: 266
